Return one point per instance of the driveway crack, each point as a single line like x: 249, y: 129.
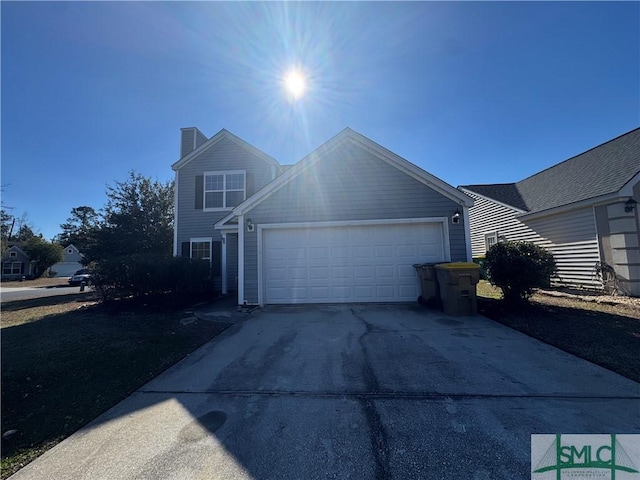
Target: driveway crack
x: 377, y: 431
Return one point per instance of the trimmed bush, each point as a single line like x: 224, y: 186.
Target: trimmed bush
x: 518, y: 268
x: 139, y: 275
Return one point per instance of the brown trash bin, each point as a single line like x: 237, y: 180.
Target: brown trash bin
x: 429, y: 291
x: 457, y: 283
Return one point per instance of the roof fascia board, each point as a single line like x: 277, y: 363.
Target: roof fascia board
x: 222, y: 134
x: 493, y: 200
x: 220, y: 224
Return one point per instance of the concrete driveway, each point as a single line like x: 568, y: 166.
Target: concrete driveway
x: 363, y: 392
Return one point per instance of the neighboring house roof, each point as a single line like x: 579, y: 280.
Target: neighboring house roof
x: 602, y: 170
x: 506, y: 193
x: 369, y: 145
x: 224, y: 134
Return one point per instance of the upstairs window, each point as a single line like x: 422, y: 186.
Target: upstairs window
x: 224, y: 190
x: 13, y: 254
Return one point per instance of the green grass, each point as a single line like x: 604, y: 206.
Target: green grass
x: 67, y: 359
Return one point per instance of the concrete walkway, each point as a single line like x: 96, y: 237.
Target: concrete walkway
x: 363, y: 392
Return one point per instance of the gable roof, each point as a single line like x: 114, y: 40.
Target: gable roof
x: 349, y: 135
x: 600, y: 171
x: 14, y: 247
x: 224, y: 134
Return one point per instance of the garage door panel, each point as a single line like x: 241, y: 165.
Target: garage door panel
x: 362, y: 271
x: 384, y: 251
x: 362, y: 252
x: 406, y: 271
x: 364, y: 263
x: 276, y: 254
x: 340, y: 272
x: 319, y: 253
x: 296, y: 253
x: 363, y: 293
x: 384, y: 271
x: 320, y: 294
x: 341, y: 293
x: 385, y: 292
x: 298, y: 273
x: 408, y: 291
x: 340, y: 252
x: 407, y: 251
x: 319, y: 273
x: 277, y: 273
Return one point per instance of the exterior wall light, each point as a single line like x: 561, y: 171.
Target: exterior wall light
x: 629, y: 205
x: 250, y: 225
x: 456, y: 216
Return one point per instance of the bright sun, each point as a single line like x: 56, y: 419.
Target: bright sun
x: 295, y: 83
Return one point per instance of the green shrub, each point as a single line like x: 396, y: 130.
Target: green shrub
x: 517, y: 268
x: 150, y: 274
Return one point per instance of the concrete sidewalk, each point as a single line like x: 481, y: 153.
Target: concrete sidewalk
x: 363, y: 391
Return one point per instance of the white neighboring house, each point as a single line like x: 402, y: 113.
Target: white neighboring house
x: 584, y: 210
x: 70, y: 262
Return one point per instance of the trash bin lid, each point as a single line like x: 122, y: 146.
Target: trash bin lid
x: 458, y: 265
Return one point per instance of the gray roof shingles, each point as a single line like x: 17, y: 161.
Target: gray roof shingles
x: 603, y: 170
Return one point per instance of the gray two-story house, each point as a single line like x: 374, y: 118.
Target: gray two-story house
x: 344, y: 224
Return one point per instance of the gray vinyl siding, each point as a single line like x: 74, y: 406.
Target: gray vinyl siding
x: 572, y: 239
x: 187, y: 141
x: 570, y: 236
x: 348, y: 184
x: 223, y: 155
x: 486, y: 217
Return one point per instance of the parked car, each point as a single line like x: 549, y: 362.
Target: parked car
x: 80, y: 276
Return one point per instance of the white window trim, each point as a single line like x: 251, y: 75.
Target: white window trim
x: 208, y: 240
x: 487, y: 236
x: 224, y: 190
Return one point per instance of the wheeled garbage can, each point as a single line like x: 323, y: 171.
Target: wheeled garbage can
x: 457, y: 282
x: 429, y: 292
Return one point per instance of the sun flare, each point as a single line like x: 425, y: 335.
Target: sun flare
x: 295, y: 83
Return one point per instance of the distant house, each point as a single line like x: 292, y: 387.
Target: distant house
x: 584, y: 210
x: 70, y: 262
x: 16, y: 264
x: 344, y: 224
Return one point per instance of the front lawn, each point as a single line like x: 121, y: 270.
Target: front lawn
x: 67, y: 359
x: 604, y: 332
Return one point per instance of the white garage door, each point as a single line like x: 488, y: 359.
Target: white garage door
x: 364, y: 263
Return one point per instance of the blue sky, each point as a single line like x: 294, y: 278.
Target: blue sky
x: 471, y: 92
